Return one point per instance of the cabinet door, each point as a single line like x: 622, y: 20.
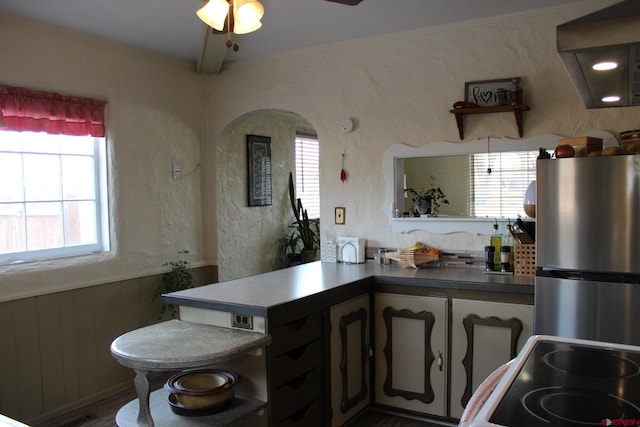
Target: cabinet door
x: 484, y: 335
x: 410, y: 333
x: 350, y: 359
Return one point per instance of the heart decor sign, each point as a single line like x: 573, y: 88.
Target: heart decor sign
x: 489, y: 93
x: 482, y: 98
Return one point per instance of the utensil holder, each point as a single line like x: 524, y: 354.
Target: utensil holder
x: 524, y: 262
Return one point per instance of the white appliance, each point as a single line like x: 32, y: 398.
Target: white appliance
x: 559, y: 381
x: 351, y: 250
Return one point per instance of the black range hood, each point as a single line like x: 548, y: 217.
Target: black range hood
x: 611, y: 34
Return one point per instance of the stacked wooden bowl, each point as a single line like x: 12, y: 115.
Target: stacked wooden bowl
x: 201, y: 391
x: 630, y: 140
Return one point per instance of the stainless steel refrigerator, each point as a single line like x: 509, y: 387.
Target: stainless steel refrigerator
x: 587, y: 282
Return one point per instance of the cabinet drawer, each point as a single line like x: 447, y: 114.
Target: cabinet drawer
x: 311, y: 415
x: 296, y: 394
x: 296, y: 362
x: 294, y: 334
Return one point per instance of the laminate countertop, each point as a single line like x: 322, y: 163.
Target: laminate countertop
x: 257, y: 295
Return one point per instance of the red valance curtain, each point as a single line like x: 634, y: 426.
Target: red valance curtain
x: 28, y: 110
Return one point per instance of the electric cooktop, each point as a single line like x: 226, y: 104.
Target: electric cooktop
x: 567, y: 382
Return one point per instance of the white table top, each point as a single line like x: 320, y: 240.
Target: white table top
x: 177, y: 344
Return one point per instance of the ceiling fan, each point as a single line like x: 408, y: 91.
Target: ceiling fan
x: 239, y: 16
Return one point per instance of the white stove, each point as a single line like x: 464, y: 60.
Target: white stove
x: 556, y: 381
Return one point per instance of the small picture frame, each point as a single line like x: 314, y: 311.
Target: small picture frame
x: 340, y: 212
x: 491, y: 93
x: 259, y: 170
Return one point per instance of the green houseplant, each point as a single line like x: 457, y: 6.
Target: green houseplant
x: 304, y: 238
x: 429, y: 201
x: 178, y: 278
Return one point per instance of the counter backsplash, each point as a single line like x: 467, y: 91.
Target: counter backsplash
x: 465, y: 259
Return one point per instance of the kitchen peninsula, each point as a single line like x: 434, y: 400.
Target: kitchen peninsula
x: 328, y: 322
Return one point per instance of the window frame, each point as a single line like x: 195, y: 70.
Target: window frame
x: 101, y: 219
x: 313, y: 208
x: 480, y: 162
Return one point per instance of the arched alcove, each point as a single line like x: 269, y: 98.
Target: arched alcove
x: 248, y: 237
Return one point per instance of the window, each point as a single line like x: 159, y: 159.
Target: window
x: 307, y: 152
x: 501, y: 192
x: 51, y: 195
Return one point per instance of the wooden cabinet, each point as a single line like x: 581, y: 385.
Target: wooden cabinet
x: 350, y: 358
x: 296, y: 374
x: 484, y: 335
x: 410, y: 352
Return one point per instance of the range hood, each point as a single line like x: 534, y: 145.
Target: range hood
x: 613, y: 35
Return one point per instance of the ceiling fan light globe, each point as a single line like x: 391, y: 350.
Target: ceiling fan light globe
x: 247, y: 15
x: 241, y: 27
x: 248, y: 10
x: 214, y: 13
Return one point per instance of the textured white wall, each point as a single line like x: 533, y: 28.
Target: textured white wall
x: 248, y: 237
x: 153, y: 119
x: 399, y: 89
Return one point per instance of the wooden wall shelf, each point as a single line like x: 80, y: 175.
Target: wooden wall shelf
x: 516, y: 109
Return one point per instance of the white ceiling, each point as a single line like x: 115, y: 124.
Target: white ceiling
x: 171, y: 27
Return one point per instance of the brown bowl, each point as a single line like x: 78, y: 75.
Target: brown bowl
x: 204, y: 401
x: 179, y: 409
x: 202, y: 388
x: 202, y: 381
x: 630, y: 134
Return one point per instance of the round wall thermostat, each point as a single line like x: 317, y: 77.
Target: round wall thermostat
x: 346, y: 125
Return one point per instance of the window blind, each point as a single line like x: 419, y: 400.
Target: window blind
x: 307, y: 152
x: 501, y: 192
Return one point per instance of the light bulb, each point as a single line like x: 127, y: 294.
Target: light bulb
x: 214, y: 13
x: 612, y: 98
x: 605, y: 66
x: 239, y: 27
x: 247, y: 15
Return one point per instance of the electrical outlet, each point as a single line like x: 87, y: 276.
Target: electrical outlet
x: 239, y: 320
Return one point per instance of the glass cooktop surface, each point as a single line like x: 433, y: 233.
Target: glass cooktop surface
x: 568, y: 384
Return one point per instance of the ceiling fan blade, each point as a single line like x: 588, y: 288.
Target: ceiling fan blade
x: 347, y: 2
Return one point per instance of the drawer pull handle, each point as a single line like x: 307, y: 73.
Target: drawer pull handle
x: 440, y: 362
x: 297, y: 353
x: 300, y: 381
x: 296, y: 324
x: 301, y: 414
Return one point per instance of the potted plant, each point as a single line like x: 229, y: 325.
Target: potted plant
x: 429, y: 201
x: 180, y: 277
x: 420, y: 202
x: 304, y: 240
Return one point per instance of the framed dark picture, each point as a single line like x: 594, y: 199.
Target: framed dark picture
x: 259, y: 170
x: 489, y: 93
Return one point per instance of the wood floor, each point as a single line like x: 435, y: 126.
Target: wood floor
x: 375, y: 418
x: 103, y: 414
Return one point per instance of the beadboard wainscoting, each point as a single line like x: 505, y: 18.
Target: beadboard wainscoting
x: 55, y: 348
